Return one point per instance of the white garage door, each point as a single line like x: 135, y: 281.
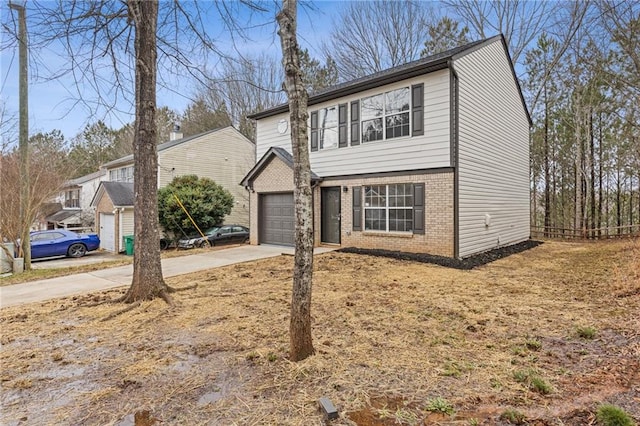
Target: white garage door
x: 107, y: 231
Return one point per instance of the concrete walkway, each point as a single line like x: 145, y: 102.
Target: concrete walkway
x: 38, y: 291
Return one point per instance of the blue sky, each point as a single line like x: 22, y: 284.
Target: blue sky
x: 53, y: 104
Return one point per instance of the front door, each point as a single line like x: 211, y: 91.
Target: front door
x: 330, y: 215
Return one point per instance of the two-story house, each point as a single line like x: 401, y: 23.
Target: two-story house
x: 431, y: 156
x: 223, y: 155
x: 74, y: 200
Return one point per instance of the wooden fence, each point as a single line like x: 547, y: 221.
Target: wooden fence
x: 584, y: 234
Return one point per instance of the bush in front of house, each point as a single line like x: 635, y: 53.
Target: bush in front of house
x: 205, y: 201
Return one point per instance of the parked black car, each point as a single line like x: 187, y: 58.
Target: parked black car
x: 224, y: 234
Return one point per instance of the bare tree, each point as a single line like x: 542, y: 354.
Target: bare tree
x: 520, y: 21
x: 48, y: 168
x: 98, y: 37
x: 248, y: 84
x: 8, y: 126
x: 300, y: 325
x: 375, y: 35
x: 148, y: 282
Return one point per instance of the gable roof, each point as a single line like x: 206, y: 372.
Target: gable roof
x: 120, y: 193
x: 273, y: 152
x: 415, y: 68
x: 90, y: 176
x: 62, y: 215
x: 166, y: 145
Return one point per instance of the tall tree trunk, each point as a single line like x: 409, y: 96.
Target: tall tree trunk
x: 600, y: 170
x: 630, y: 201
x: 300, y: 325
x: 592, y: 167
x: 148, y: 282
x: 534, y: 196
x: 547, y: 175
x: 618, y: 201
x: 577, y: 222
x: 606, y: 207
x: 554, y: 187
x: 583, y: 179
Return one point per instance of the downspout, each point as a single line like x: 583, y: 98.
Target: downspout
x: 453, y: 140
x: 249, y: 190
x: 315, y: 185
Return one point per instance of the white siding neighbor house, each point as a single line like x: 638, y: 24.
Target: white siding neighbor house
x: 223, y: 155
x: 76, y: 212
x: 431, y: 156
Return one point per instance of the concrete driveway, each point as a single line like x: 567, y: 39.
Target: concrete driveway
x: 66, y: 262
x: 38, y: 291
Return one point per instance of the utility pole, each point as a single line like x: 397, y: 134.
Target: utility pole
x: 25, y: 243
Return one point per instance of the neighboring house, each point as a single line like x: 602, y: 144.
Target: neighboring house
x: 223, y: 155
x: 75, y: 199
x: 113, y: 202
x: 431, y: 156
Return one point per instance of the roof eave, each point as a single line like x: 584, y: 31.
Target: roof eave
x: 264, y: 161
x: 400, y: 75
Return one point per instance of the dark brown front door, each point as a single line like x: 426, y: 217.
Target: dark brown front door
x: 330, y: 215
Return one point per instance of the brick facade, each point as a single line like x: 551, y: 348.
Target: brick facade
x: 438, y: 238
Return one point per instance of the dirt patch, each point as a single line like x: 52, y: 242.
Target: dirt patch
x: 463, y: 264
x: 397, y: 342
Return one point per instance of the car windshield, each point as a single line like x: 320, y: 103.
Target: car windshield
x: 212, y: 230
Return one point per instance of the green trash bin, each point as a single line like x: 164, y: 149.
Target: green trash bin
x: 128, y: 244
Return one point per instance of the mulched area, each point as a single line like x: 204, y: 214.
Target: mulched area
x: 449, y: 262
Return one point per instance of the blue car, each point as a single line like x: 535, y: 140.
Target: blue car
x: 60, y: 242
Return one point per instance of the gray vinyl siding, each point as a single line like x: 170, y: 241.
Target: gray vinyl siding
x: 224, y: 156
x: 398, y: 154
x: 493, y: 172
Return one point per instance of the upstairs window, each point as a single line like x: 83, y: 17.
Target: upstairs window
x: 72, y: 199
x: 386, y: 116
x: 328, y: 127
x: 124, y: 174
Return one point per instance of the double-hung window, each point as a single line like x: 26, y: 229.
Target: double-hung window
x: 386, y: 116
x: 388, y: 208
x: 383, y: 116
x: 124, y: 174
x: 72, y: 198
x: 328, y: 127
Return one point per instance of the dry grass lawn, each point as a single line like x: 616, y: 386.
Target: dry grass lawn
x: 541, y: 337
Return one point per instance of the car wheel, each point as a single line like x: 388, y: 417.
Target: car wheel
x: 163, y: 244
x: 202, y: 244
x: 77, y: 250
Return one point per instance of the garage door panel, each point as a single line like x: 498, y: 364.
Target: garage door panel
x: 107, y: 231
x: 277, y: 222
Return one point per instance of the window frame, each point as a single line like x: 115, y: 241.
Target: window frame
x: 322, y: 130
x: 72, y: 198
x: 408, y: 193
x: 121, y: 174
x: 385, y: 115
